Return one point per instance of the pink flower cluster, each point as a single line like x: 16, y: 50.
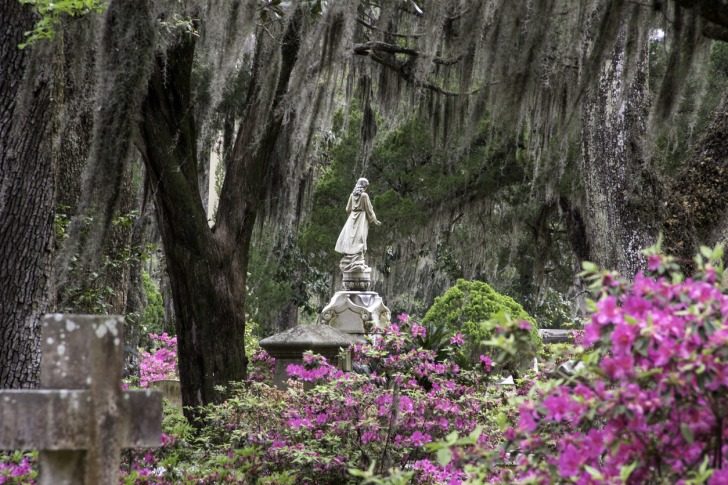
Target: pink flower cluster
x: 17, y: 471
x: 261, y: 366
x: 161, y: 363
x: 486, y: 362
x: 405, y: 401
x: 314, y: 368
x: 654, y: 406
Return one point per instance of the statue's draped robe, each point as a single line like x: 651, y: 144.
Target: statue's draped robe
x: 353, y: 237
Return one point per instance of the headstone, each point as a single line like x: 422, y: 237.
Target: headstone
x: 288, y: 347
x: 80, y: 418
x: 556, y: 335
x: 171, y: 391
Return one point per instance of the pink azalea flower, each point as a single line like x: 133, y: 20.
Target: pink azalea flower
x: 457, y: 340
x: 419, y: 439
x: 654, y: 262
x: 607, y: 311
x: 618, y: 367
x: 486, y: 363
x: 623, y: 337
x: 569, y: 461
x: 418, y: 331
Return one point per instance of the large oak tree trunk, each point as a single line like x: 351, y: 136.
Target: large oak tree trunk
x: 79, y: 85
x: 620, y: 189
x: 27, y: 189
x: 208, y: 267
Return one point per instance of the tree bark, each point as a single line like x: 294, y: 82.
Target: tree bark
x: 79, y: 81
x: 98, y: 142
x: 27, y: 190
x: 696, y: 209
x: 621, y: 193
x: 208, y: 268
x: 76, y: 114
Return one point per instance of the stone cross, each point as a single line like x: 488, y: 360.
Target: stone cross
x: 80, y: 418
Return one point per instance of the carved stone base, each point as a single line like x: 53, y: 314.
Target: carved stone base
x: 353, y: 263
x: 355, y: 312
x: 357, y: 280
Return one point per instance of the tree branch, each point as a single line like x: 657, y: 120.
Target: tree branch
x: 405, y: 74
x: 375, y: 45
x: 366, y: 48
x: 713, y: 11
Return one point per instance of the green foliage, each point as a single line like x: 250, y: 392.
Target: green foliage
x: 466, y: 307
x: 51, y: 12
x: 61, y: 221
x: 251, y: 337
x: 551, y: 309
x: 552, y: 354
x: 514, y: 344
x: 89, y: 290
x: 278, y: 276
x: 153, y: 321
x: 437, y: 339
x: 369, y: 477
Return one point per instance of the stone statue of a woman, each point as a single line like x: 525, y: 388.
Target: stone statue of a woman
x: 352, y: 242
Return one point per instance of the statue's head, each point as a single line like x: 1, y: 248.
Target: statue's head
x: 361, y: 186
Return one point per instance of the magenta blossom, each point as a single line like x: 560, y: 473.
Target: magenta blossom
x: 418, y: 331
x: 486, y: 362
x: 457, y: 340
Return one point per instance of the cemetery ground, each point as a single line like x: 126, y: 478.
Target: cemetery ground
x: 647, y: 402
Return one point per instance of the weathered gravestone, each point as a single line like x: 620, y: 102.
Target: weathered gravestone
x: 288, y: 348
x: 171, y: 391
x: 556, y: 336
x: 80, y: 418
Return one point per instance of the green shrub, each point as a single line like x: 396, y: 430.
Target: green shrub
x: 466, y: 306
x: 154, y: 312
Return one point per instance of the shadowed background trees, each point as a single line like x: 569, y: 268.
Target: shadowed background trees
x: 504, y: 142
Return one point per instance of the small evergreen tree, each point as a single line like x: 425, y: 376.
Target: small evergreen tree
x: 466, y: 307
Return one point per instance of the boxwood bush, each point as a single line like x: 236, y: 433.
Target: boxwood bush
x: 466, y: 307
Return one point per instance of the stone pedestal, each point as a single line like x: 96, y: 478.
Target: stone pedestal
x: 355, y: 312
x: 288, y: 347
x: 357, y: 280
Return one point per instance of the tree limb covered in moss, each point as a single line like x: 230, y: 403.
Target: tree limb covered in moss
x: 373, y: 45
x: 366, y: 48
x: 404, y: 69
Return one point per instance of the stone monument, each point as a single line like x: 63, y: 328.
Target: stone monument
x: 288, y: 347
x: 355, y: 309
x: 80, y: 419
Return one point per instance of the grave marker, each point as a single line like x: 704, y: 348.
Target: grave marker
x: 80, y: 418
